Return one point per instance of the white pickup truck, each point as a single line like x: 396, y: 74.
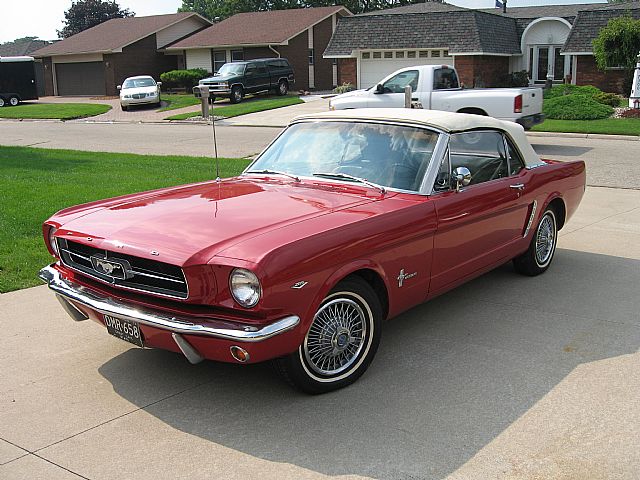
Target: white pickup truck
x: 436, y: 87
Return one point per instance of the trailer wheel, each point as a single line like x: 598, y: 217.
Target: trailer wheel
x: 1, y: 102
x: 14, y: 100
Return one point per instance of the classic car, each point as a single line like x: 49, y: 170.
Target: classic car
x: 346, y: 219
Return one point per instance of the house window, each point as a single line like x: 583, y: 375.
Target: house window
x: 435, y: 53
x: 399, y: 54
x: 219, y: 59
x: 311, y: 56
x: 237, y: 55
x: 445, y: 53
x: 377, y: 54
x: 366, y: 55
x: 388, y: 54
x: 411, y: 54
x: 423, y: 54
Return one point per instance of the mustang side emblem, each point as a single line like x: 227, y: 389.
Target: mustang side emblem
x: 112, y: 267
x: 405, y: 276
x: 299, y: 285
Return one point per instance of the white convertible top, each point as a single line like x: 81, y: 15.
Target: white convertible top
x: 446, y: 121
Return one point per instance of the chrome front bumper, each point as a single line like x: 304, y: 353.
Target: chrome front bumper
x: 68, y: 290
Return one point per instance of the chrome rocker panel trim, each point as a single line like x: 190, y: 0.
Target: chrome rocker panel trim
x: 68, y: 290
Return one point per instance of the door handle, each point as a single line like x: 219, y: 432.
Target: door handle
x: 517, y: 186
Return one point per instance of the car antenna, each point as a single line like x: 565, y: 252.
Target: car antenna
x: 215, y: 147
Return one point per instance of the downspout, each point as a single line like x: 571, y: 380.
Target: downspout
x: 274, y: 50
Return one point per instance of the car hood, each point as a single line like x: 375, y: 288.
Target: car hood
x: 189, y: 225
x: 219, y: 78
x: 131, y: 91
x: 353, y: 93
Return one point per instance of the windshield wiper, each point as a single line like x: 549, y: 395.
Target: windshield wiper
x: 346, y: 176
x: 274, y: 172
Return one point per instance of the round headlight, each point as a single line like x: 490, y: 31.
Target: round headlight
x: 52, y: 241
x: 245, y: 287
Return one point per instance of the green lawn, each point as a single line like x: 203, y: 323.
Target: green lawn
x: 607, y: 126
x: 38, y: 182
x: 60, y: 111
x: 257, y: 104
x: 176, y: 101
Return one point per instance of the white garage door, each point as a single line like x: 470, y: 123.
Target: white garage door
x: 377, y: 64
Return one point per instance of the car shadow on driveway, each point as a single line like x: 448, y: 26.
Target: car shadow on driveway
x: 449, y: 377
x: 559, y: 150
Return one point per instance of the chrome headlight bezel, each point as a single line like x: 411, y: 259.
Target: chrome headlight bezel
x: 53, y: 245
x: 245, y: 287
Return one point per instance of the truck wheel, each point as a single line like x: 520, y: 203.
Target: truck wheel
x: 236, y: 94
x: 283, y: 87
x: 14, y: 100
x: 538, y: 257
x: 1, y: 102
x: 340, y: 343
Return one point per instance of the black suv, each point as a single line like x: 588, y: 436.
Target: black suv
x: 236, y: 79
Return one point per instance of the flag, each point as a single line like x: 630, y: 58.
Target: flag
x: 499, y: 4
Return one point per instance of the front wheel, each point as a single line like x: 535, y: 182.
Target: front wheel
x: 1, y: 102
x: 538, y: 257
x: 341, y: 342
x: 236, y: 94
x: 283, y: 88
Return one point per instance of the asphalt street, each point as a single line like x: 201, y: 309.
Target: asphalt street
x: 506, y: 377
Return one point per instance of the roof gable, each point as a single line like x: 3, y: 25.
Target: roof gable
x: 461, y: 31
x: 258, y: 28
x: 114, y: 34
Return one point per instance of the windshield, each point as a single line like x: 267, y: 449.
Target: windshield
x: 228, y: 68
x: 138, y: 82
x: 389, y: 155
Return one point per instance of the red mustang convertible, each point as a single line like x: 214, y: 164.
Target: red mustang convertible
x: 348, y: 218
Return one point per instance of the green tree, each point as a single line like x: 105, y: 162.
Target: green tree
x: 617, y: 45
x: 84, y: 14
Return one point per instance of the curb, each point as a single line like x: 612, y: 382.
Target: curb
x: 596, y: 136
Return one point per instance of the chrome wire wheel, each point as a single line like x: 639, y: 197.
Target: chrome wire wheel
x: 545, y: 239
x: 336, y: 337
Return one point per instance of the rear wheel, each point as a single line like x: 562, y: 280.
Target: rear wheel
x: 538, y: 257
x: 341, y: 342
x: 14, y: 100
x: 283, y: 87
x: 236, y: 94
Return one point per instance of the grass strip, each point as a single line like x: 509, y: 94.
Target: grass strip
x: 59, y: 111
x: 38, y: 182
x: 248, y: 106
x: 176, y: 101
x: 607, y: 126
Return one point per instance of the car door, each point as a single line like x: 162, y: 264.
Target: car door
x: 479, y: 224
x: 251, y: 78
x: 392, y: 95
x: 445, y: 81
x: 262, y: 76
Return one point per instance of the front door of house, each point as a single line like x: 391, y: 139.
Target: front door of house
x: 547, y: 60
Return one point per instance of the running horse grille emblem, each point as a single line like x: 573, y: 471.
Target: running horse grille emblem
x: 116, y: 268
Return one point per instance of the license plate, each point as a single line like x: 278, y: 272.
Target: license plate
x: 124, y: 330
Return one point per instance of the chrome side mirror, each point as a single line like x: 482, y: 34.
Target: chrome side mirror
x: 119, y: 87
x: 462, y: 177
x: 379, y: 88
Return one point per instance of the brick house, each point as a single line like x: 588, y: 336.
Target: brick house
x: 96, y: 60
x: 300, y: 35
x: 484, y: 45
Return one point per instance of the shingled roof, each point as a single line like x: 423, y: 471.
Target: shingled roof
x: 258, y: 28
x: 114, y: 34
x: 16, y: 49
x: 423, y: 7
x: 588, y: 23
x: 461, y: 31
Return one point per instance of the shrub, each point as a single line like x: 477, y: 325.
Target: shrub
x: 575, y: 107
x: 183, y: 78
x: 610, y: 99
x: 345, y: 87
x: 631, y: 113
x: 568, y: 89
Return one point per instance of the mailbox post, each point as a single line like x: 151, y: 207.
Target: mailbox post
x: 202, y: 91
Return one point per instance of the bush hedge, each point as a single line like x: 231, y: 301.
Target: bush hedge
x: 568, y: 89
x: 610, y: 99
x: 345, y: 87
x: 575, y: 107
x: 183, y: 78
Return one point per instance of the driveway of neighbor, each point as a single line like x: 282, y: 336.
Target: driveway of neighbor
x: 506, y: 377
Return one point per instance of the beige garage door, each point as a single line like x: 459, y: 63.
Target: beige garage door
x: 84, y: 78
x: 377, y: 64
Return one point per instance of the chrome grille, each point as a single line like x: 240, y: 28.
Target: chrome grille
x: 138, y: 96
x: 148, y: 275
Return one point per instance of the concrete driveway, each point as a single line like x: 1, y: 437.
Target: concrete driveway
x: 506, y: 377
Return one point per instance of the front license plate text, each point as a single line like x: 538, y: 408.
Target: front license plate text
x: 124, y: 330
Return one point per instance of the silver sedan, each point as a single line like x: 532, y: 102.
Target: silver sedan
x: 140, y: 90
